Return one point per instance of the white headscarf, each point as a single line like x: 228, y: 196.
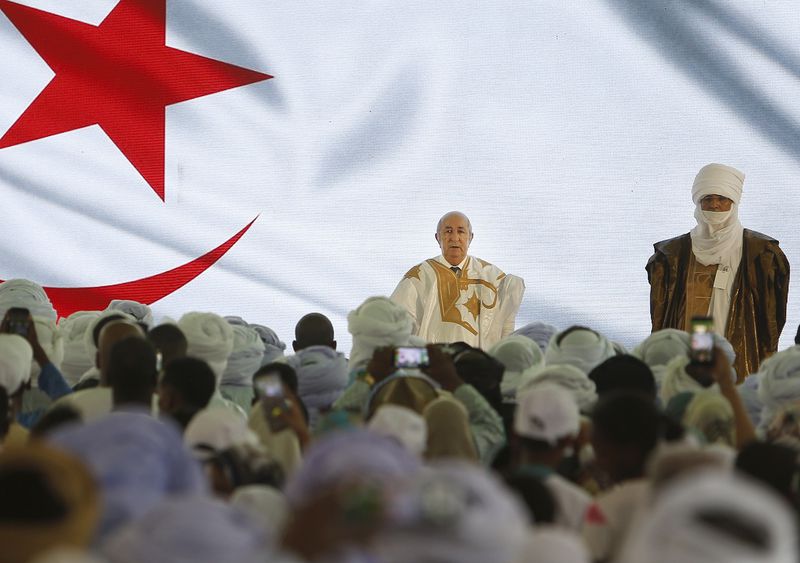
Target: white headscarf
x: 718, y: 236
x: 675, y: 379
x: 675, y: 530
x: 210, y: 338
x: 779, y: 382
x: 273, y: 346
x: 322, y: 376
x: 539, y: 332
x: 51, y: 341
x: 569, y: 377
x: 517, y: 353
x: 660, y: 348
x: 402, y: 424
x: 583, y: 348
x: 76, y: 358
x: 215, y: 429
x: 15, y: 362
x: 138, y: 311
x: 377, y: 322
x: 268, y: 506
x: 245, y: 358
x: 27, y: 294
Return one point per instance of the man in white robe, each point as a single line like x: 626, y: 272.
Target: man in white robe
x: 456, y: 297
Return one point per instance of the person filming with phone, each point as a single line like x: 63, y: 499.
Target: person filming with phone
x: 736, y: 276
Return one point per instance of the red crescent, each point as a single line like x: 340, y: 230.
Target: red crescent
x: 67, y: 300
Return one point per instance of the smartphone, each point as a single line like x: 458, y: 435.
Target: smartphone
x: 411, y: 357
x: 702, y: 344
x: 18, y: 321
x: 269, y: 389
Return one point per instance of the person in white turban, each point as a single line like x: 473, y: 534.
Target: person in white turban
x: 518, y: 354
x: 779, y: 383
x: 377, y: 322
x: 47, y: 382
x: 721, y: 269
x: 660, y: 348
x: 76, y: 357
x: 539, y: 332
x: 322, y: 376
x: 237, y: 380
x: 273, y: 346
x: 401, y: 424
x: 15, y: 373
x: 455, y: 297
x: 210, y: 338
x: 580, y: 347
x: 567, y: 376
x: 676, y: 379
x: 714, y: 517
x: 28, y: 295
x: 139, y: 311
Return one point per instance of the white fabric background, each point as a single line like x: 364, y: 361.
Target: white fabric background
x: 569, y: 132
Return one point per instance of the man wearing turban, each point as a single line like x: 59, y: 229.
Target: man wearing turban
x: 456, y: 297
x: 722, y: 270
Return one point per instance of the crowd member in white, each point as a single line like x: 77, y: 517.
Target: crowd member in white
x: 547, y: 424
x: 210, y: 338
x: 36, y: 400
x: 91, y: 342
x: 402, y: 424
x: 518, y: 354
x: 15, y: 372
x: 377, y: 322
x: 273, y: 346
x: 77, y: 359
x: 661, y: 348
x: 455, y: 297
x: 322, y: 376
x: 139, y: 311
x: 579, y: 346
x: 779, y: 383
x: 539, y: 332
x: 213, y: 430
x: 567, y: 376
x: 714, y: 517
x: 96, y: 402
x: 678, y: 375
x: 27, y: 294
x: 236, y: 384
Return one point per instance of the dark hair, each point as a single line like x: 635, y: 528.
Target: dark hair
x: 170, y: 341
x: 132, y: 368
x: 629, y: 419
x: 774, y: 465
x: 483, y: 372
x: 535, y: 495
x: 27, y: 497
x: 243, y: 464
x: 192, y: 379
x: 314, y: 329
x: 570, y: 330
x: 98, y: 328
x: 54, y: 419
x: 623, y: 373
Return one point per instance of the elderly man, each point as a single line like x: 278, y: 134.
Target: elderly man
x: 456, y: 297
x: 720, y: 269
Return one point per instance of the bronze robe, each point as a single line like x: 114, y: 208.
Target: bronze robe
x: 758, y: 299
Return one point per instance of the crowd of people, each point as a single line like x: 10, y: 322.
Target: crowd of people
x: 205, y: 440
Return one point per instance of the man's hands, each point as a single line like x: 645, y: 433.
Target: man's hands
x: 33, y: 339
x: 442, y: 369
x: 719, y: 371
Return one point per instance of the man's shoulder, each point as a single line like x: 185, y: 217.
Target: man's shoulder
x: 673, y: 246
x: 481, y: 264
x: 756, y: 239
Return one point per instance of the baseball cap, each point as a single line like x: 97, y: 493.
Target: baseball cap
x: 546, y: 412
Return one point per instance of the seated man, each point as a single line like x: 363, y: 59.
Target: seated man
x: 456, y: 297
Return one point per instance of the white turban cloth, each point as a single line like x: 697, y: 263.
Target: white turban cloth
x: 518, y: 354
x: 51, y: 341
x: 215, y: 429
x: 15, y: 362
x: 675, y: 379
x: 322, y: 376
x: 683, y: 525
x: 402, y: 424
x: 660, y: 348
x: 265, y: 505
x: 27, y: 294
x: 779, y: 382
x: 585, y: 349
x: 210, y: 338
x: 455, y: 512
x: 539, y: 332
x: 138, y: 311
x: 245, y: 358
x: 76, y: 358
x: 273, y: 346
x: 564, y: 375
x: 377, y: 322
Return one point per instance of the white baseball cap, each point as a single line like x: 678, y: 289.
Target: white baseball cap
x: 546, y: 412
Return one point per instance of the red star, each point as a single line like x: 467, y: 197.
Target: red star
x: 119, y: 75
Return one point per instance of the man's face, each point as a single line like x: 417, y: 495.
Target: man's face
x: 715, y: 203
x: 454, y: 237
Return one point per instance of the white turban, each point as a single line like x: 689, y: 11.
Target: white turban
x: 210, y: 338
x: 51, y: 341
x: 215, y: 429
x: 564, y: 375
x: 15, y: 362
x: 711, y: 415
x: 684, y: 524
x: 779, y: 382
x: 551, y: 544
x: 456, y: 513
x: 583, y: 348
x: 377, y: 322
x: 245, y: 358
x: 27, y: 294
x: 660, y: 348
x: 518, y: 354
x: 266, y: 505
x: 76, y: 358
x: 675, y: 379
x: 404, y: 425
x: 718, y: 179
x: 322, y: 377
x: 273, y: 346
x: 138, y: 311
x: 539, y: 332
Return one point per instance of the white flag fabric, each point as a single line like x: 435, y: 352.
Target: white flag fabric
x: 569, y: 133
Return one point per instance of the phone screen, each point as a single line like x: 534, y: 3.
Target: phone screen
x: 269, y: 389
x: 410, y: 357
x: 702, y: 344
x: 18, y: 321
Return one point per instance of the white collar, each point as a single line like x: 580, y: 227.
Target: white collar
x: 460, y: 266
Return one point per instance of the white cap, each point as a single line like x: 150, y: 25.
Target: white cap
x: 15, y: 362
x: 546, y: 412
x: 402, y: 424
x: 215, y: 429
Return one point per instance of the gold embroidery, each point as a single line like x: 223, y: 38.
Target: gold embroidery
x: 449, y: 288
x: 473, y: 305
x: 413, y: 272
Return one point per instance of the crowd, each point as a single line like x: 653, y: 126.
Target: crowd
x: 205, y: 440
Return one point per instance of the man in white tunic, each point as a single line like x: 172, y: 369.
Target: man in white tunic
x: 456, y: 297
